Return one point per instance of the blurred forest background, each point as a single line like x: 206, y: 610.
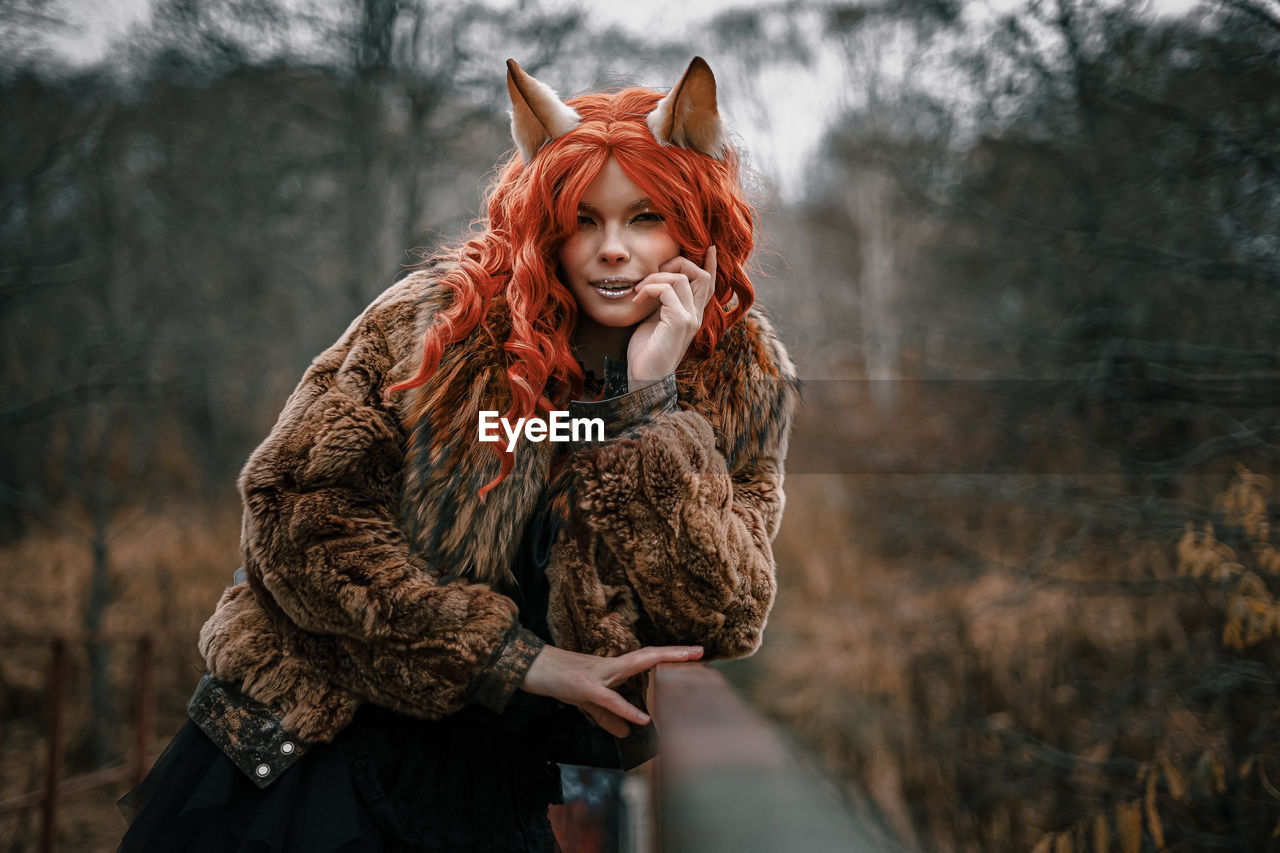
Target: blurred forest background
x: 1031, y: 276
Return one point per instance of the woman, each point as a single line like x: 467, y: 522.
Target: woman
x: 429, y: 620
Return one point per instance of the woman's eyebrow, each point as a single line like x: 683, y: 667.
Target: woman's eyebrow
x: 635, y: 205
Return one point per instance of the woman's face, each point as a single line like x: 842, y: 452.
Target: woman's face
x: 620, y: 239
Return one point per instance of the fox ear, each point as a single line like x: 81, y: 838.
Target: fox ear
x: 537, y: 113
x: 687, y: 116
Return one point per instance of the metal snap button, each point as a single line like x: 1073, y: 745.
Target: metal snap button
x: 287, y: 747
x: 263, y: 770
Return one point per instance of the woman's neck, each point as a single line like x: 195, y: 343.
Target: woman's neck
x: 592, y: 342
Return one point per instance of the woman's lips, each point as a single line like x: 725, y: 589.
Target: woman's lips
x: 614, y: 288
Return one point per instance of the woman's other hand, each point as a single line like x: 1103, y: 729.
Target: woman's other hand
x: 681, y: 290
x: 587, y: 681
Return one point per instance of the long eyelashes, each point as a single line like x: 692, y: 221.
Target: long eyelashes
x: 649, y: 216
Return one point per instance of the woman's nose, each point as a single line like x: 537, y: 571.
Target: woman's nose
x: 613, y: 248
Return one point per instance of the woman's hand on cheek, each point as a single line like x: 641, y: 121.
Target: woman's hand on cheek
x: 680, y: 291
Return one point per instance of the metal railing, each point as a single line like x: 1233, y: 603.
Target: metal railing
x: 56, y: 786
x: 728, y: 781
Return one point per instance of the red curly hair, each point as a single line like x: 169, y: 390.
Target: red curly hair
x: 532, y: 209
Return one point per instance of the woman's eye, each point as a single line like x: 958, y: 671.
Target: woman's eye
x: 584, y: 221
x: 648, y: 216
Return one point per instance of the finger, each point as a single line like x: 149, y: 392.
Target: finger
x: 702, y: 280
x: 611, y: 723
x: 640, y: 660
x: 611, y: 701
x: 712, y: 256
x: 680, y: 283
x: 664, y: 654
x: 684, y: 289
x: 680, y: 265
x: 666, y: 295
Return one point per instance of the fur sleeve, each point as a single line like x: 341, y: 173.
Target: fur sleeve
x: 325, y: 555
x: 688, y: 508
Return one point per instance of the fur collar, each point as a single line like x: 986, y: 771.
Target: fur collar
x: 746, y: 388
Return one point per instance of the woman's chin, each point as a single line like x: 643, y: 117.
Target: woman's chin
x: 614, y: 315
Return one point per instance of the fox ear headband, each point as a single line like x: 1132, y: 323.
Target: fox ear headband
x: 686, y: 117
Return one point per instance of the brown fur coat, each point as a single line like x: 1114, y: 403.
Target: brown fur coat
x: 373, y: 566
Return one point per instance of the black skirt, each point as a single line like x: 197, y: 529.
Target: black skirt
x: 473, y: 781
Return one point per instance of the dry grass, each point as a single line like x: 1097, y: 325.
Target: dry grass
x: 1016, y: 662
x: 167, y: 570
